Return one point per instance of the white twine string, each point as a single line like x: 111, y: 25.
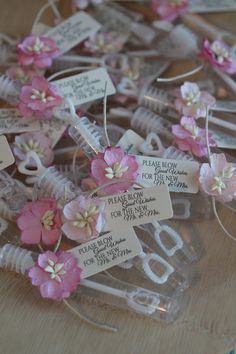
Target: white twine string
x: 105, y: 115
x: 85, y: 318
x: 182, y: 76
x: 50, y: 3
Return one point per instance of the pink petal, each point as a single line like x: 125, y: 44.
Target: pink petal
x: 43, y: 258
x: 167, y: 13
x: 39, y: 208
x: 98, y: 172
x: 26, y: 92
x: 71, y: 209
x: 75, y: 233
x: 49, y: 237
x: 25, y: 111
x: 218, y: 163
x: 40, y: 83
x: 68, y: 259
x: 31, y: 235
x: 71, y: 280
x: 183, y: 144
x: 187, y: 121
x: 101, y: 221
x: 25, y: 59
x: 38, y: 276
x: 179, y: 131
x: 42, y: 63
x: 207, y: 99
x: 198, y: 150
x: 26, y: 220
x: 48, y: 157
x: 51, y: 290
x: 131, y: 162
x: 44, y: 140
x: 113, y: 155
x: 118, y: 187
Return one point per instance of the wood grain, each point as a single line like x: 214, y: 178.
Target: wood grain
x: 31, y: 325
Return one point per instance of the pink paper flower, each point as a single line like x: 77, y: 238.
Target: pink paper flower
x: 85, y: 218
x: 56, y: 274
x: 193, y: 102
x: 40, y: 221
x: 38, y: 99
x: 37, y: 51
x: 21, y: 75
x: 219, y: 178
x: 189, y: 137
x: 104, y: 42
x: 34, y: 141
x: 168, y: 10
x: 218, y: 54
x: 114, y: 165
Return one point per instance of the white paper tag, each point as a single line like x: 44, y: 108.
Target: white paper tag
x: 107, y: 251
x: 212, y: 5
x: 223, y: 140
x: 130, y: 142
x: 54, y: 129
x: 178, y: 175
x: 11, y: 122
x: 225, y: 106
x: 86, y: 87
x: 138, y: 207
x: 6, y: 155
x: 73, y: 31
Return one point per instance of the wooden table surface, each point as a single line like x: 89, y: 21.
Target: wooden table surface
x: 32, y: 325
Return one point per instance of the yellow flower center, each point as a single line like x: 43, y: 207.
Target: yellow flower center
x: 192, y: 98
x: 41, y: 96
x: 192, y: 129
x: 32, y: 145
x: 219, y: 181
x: 117, y: 170
x: 103, y: 44
x: 86, y: 219
x: 221, y: 53
x: 55, y: 270
x: 38, y: 47
x: 48, y: 219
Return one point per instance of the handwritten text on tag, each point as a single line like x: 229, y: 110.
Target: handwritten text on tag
x: 54, y: 129
x: 178, y: 175
x: 107, y: 251
x: 86, y: 87
x: 73, y: 31
x: 137, y: 207
x: 11, y: 122
x: 6, y: 156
